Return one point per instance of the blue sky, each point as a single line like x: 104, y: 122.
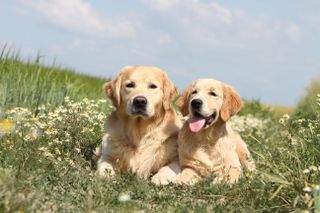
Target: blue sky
x: 268, y: 50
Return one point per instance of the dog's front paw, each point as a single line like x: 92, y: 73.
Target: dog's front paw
x: 229, y: 176
x: 105, y: 169
x: 187, y: 177
x: 164, y: 177
x: 251, y: 166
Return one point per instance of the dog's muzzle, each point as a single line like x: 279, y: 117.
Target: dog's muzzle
x: 199, y: 120
x: 139, y: 105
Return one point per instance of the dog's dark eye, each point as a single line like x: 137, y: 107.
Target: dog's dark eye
x: 130, y: 85
x: 213, y: 94
x: 153, y: 86
x: 194, y: 92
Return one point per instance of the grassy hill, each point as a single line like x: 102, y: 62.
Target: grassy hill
x: 46, y: 154
x: 28, y: 84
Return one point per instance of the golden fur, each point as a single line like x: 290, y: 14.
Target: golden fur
x: 145, y: 144
x: 216, y: 148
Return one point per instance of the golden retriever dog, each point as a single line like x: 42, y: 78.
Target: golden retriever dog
x: 207, y: 144
x: 142, y: 131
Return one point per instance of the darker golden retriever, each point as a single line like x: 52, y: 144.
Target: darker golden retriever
x: 207, y: 143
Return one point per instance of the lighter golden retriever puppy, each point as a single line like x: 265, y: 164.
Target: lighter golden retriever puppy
x: 207, y: 144
x: 142, y: 131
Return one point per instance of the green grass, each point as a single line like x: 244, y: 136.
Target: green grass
x: 28, y: 84
x: 259, y: 109
x: 46, y: 159
x: 307, y: 105
x: 280, y: 110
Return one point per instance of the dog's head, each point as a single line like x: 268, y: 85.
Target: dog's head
x: 141, y: 91
x: 206, y: 101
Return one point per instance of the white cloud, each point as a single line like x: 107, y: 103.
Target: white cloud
x: 188, y: 10
x: 198, y: 22
x: 312, y: 21
x: 78, y: 16
x: 162, y: 4
x: 293, y: 31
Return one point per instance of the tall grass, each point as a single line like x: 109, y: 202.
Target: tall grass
x: 307, y: 106
x: 28, y: 84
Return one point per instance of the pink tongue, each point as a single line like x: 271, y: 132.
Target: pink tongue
x: 196, y: 124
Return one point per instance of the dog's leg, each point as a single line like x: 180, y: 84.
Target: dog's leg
x: 244, y: 155
x: 167, y: 174
x: 231, y: 171
x: 105, y: 167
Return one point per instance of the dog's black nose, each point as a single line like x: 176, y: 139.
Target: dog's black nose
x: 140, y: 102
x: 196, y: 103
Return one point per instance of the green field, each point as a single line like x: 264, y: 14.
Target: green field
x: 52, y: 119
x: 28, y: 84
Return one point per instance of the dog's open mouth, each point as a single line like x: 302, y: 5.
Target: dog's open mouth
x: 199, y: 121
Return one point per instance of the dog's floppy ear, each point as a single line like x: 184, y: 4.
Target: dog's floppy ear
x: 112, y: 90
x: 170, y: 91
x: 232, y: 103
x: 183, y: 102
